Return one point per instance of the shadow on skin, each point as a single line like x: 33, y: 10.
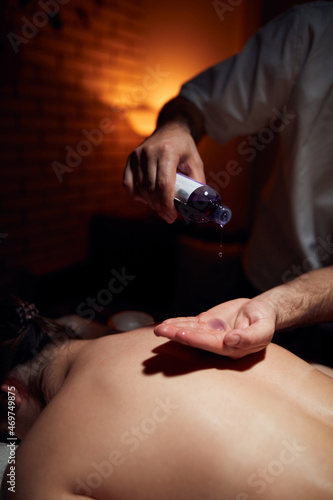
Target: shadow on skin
x: 174, y: 359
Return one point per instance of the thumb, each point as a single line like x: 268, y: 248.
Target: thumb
x: 250, y: 338
x: 233, y: 338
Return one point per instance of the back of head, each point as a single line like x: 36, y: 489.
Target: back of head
x: 24, y: 333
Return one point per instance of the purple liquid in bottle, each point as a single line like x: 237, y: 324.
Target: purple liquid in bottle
x: 199, y: 202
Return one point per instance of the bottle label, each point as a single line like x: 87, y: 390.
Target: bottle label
x: 185, y: 187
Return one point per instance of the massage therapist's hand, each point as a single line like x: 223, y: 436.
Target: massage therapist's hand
x: 150, y: 172
x: 234, y: 329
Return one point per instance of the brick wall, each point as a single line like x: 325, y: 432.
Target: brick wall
x: 70, y: 72
x: 63, y: 144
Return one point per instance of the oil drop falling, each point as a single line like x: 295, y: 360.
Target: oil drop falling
x: 220, y: 254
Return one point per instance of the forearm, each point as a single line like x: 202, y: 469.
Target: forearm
x: 182, y: 111
x: 306, y: 300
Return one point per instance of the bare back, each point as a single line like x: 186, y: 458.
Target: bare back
x: 141, y: 418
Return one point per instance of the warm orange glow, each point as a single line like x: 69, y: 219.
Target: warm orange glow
x: 142, y: 121
x: 181, y: 40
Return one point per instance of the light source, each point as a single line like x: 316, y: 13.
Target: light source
x: 142, y: 120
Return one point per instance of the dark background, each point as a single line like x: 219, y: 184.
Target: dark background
x: 67, y: 72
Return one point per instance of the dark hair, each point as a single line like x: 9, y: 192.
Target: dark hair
x: 23, y: 335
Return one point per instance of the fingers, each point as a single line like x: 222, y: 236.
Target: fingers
x: 253, y: 328
x: 164, y: 189
x: 171, y: 326
x: 150, y: 172
x: 156, y: 181
x: 150, y: 176
x: 195, y: 168
x: 234, y: 329
x: 203, y: 333
x: 191, y: 333
x: 251, y: 339
x: 129, y: 181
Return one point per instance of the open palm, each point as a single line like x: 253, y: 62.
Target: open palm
x: 234, y: 329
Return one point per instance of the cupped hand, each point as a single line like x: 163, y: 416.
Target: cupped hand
x: 234, y: 329
x: 150, y: 172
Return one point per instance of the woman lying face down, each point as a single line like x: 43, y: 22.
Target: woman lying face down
x: 133, y: 416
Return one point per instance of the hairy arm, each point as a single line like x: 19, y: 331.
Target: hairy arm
x: 242, y: 326
x: 306, y: 300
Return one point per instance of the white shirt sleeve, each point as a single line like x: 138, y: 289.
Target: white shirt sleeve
x: 237, y: 95
x: 284, y: 72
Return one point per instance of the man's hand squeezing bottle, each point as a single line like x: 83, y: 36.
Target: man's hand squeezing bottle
x: 150, y: 172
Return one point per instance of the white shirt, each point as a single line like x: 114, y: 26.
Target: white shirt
x: 286, y: 71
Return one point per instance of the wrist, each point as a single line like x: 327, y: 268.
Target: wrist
x: 306, y: 300
x: 176, y: 125
x: 182, y: 113
x: 272, y: 299
x: 290, y: 304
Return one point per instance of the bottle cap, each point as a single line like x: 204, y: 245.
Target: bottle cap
x: 222, y: 215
